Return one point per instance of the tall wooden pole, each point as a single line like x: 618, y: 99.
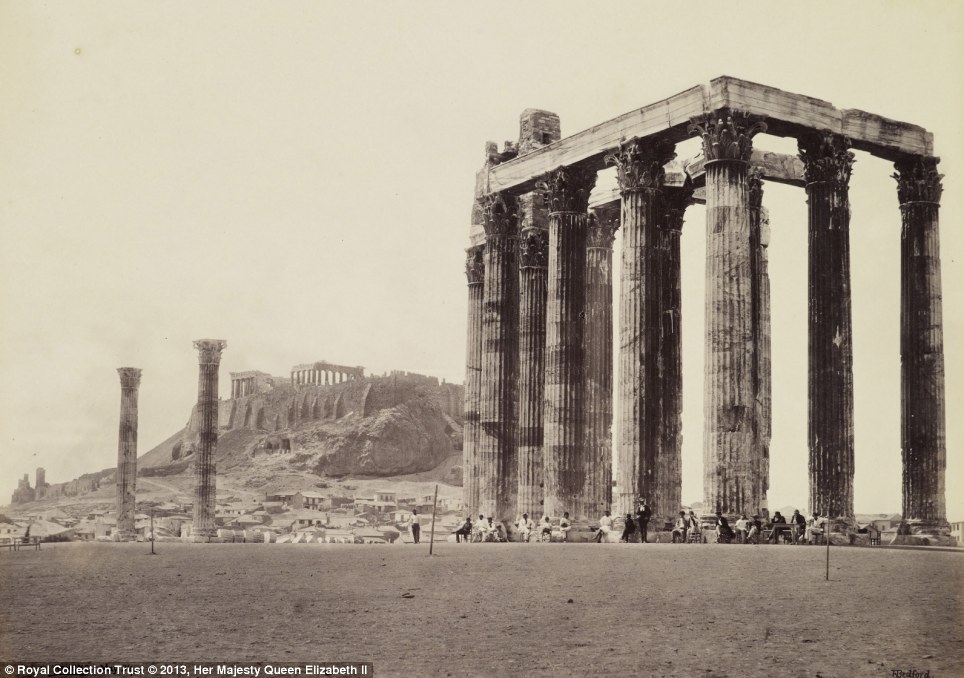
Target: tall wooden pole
x: 431, y: 535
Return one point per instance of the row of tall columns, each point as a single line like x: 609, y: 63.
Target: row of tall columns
x: 319, y: 377
x: 922, y: 427
x: 562, y: 308
x: 205, y: 471
x: 126, y: 475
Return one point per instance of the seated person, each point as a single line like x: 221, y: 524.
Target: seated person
x: 605, y: 527
x: 742, y: 525
x: 629, y: 528
x: 695, y: 526
x: 500, y: 533
x: 489, y: 530
x: 724, y: 534
x: 814, y: 528
x: 464, y: 533
x: 797, y: 525
x: 756, y: 526
x: 681, y: 528
x: 545, y: 529
x: 778, y: 527
x: 565, y: 524
x: 525, y: 526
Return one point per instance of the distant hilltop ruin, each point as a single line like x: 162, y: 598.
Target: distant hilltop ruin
x: 337, y: 420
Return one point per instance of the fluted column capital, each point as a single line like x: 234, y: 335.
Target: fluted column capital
x: 639, y: 163
x: 567, y: 189
x: 918, y: 180
x: 601, y: 232
x: 130, y: 377
x: 534, y: 248
x: 475, y: 264
x: 727, y: 135
x: 209, y: 350
x: 500, y: 214
x: 826, y: 157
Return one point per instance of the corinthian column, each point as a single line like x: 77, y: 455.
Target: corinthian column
x: 760, y: 303
x: 566, y: 192
x: 130, y: 378
x: 533, y: 259
x: 639, y: 171
x: 471, y: 430
x: 209, y: 358
x: 498, y: 465
x: 923, y: 446
x: 827, y: 163
x: 598, y: 343
x: 729, y: 406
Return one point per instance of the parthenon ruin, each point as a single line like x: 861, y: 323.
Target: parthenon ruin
x: 539, y: 368
x: 321, y: 373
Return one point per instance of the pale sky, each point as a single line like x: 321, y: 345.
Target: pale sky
x: 297, y: 178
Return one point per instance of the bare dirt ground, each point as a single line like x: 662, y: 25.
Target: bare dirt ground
x: 492, y: 609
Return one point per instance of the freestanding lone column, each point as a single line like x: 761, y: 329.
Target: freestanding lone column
x: 209, y: 358
x: 498, y: 464
x: 729, y: 405
x: 474, y: 272
x: 130, y: 378
x: 922, y: 438
x: 827, y: 164
x: 533, y: 259
x: 598, y: 343
x: 566, y: 192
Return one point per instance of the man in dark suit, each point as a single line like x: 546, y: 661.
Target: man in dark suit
x: 643, y: 514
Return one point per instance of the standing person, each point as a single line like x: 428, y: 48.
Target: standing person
x: 643, y: 514
x: 629, y: 529
x: 416, y: 527
x: 525, y: 526
x: 797, y: 524
x: 605, y: 527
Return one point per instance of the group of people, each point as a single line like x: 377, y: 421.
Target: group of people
x: 687, y: 528
x: 798, y: 530
x: 488, y: 530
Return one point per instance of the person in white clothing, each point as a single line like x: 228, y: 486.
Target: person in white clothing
x: 605, y: 527
x: 526, y: 526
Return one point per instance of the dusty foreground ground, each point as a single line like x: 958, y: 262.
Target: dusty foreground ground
x: 493, y: 609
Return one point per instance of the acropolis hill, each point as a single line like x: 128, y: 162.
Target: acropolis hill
x: 323, y: 420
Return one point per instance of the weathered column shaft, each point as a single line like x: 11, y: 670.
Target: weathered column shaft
x: 498, y: 464
x: 760, y: 305
x: 923, y: 443
x: 126, y: 475
x: 475, y: 272
x: 730, y: 467
x: 598, y: 351
x: 639, y: 166
x: 209, y: 358
x: 533, y: 259
x: 827, y: 166
x: 566, y: 192
x: 668, y: 497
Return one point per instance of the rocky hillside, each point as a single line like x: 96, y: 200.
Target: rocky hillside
x: 374, y: 427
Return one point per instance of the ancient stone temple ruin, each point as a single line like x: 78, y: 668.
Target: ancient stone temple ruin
x: 539, y: 371
x: 126, y: 476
